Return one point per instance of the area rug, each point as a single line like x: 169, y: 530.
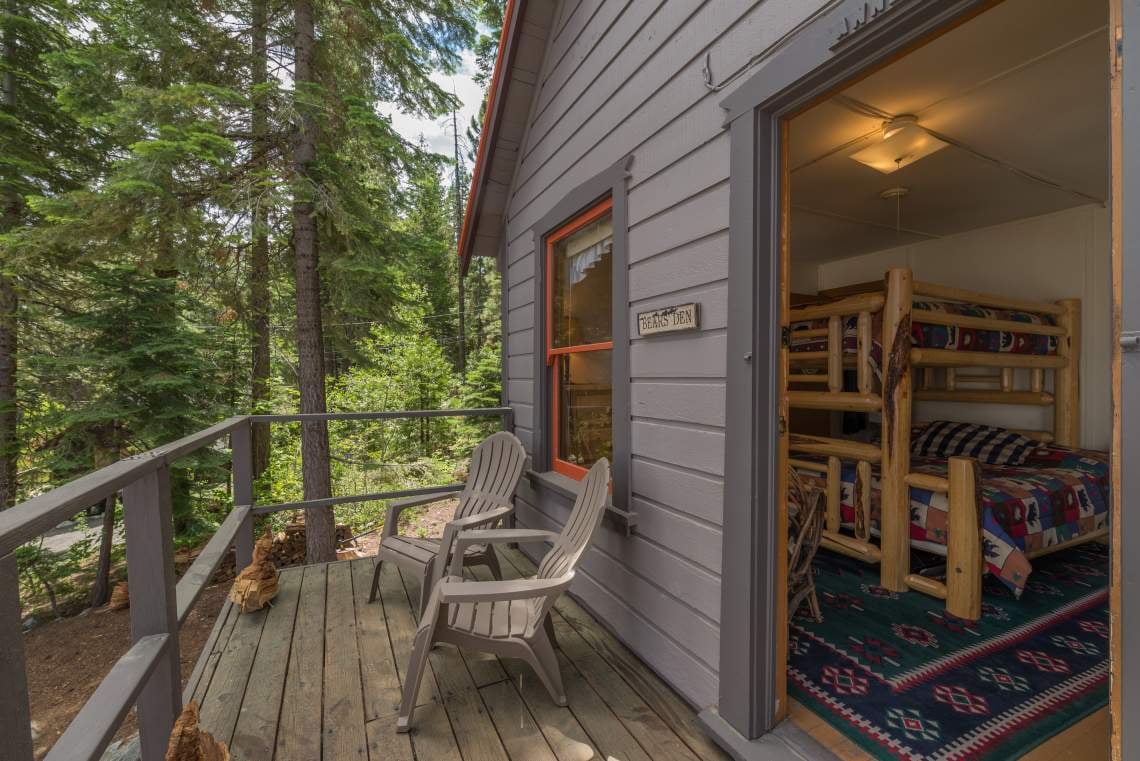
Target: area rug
x: 903, y: 679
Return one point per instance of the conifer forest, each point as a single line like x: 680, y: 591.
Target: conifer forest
x: 207, y: 211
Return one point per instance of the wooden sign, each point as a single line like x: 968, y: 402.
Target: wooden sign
x: 669, y: 319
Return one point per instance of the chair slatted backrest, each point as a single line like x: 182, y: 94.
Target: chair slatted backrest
x: 496, y: 467
x: 572, y: 543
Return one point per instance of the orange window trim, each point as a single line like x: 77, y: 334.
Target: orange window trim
x: 600, y: 346
x: 576, y: 472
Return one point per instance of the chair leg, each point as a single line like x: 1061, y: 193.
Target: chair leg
x: 545, y: 664
x: 425, y: 588
x: 813, y: 600
x: 376, y: 581
x: 548, y: 625
x: 491, y: 560
x: 413, y: 676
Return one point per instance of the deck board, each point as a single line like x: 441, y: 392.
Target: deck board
x: 212, y: 653
x: 318, y: 676
x: 255, y: 735
x: 377, y: 666
x: 299, y: 730
x: 343, y: 735
x: 227, y: 689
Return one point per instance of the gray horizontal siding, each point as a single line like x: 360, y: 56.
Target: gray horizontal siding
x: 681, y: 402
x: 520, y: 342
x: 699, y: 494
x: 614, y: 583
x: 624, y: 77
x: 694, y: 263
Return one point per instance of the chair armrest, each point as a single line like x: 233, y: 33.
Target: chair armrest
x: 456, y: 528
x: 397, y: 506
x: 494, y: 536
x: 491, y: 591
x: 504, y: 536
x: 479, y: 519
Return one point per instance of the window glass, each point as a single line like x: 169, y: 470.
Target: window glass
x: 585, y: 414
x: 582, y: 285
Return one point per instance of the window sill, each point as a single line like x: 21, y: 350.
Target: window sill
x: 567, y: 488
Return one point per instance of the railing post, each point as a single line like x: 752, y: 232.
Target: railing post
x: 241, y: 448
x: 150, y: 579
x: 509, y: 420
x: 15, y: 713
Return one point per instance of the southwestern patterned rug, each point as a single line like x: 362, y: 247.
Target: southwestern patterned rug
x: 903, y: 679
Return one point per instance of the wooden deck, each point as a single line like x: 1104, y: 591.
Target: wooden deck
x: 317, y: 676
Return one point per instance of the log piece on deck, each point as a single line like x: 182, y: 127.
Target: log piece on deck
x: 256, y: 585
x: 189, y: 742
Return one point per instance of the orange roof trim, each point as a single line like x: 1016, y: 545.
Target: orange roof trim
x: 465, y: 242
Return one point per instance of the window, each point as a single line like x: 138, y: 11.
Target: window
x: 579, y: 340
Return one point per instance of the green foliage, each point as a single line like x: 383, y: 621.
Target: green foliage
x: 131, y: 153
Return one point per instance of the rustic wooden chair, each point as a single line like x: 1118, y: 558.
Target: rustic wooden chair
x: 486, y: 499
x: 508, y: 618
x: 805, y: 531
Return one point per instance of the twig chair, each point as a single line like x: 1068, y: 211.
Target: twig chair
x: 486, y: 499
x: 805, y: 531
x: 508, y: 618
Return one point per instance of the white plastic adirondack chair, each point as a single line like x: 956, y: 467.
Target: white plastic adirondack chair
x: 508, y: 618
x: 487, y: 498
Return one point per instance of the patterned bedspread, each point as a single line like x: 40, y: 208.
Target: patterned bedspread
x: 1058, y: 494
x: 943, y: 336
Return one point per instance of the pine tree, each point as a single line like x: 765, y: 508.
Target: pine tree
x: 347, y: 166
x: 319, y: 523
x: 143, y: 369
x: 41, y: 149
x: 259, y: 293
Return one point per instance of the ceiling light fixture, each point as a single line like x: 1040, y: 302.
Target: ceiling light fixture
x: 896, y: 194
x: 903, y: 143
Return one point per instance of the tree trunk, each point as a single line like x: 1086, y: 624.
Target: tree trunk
x: 9, y: 442
x: 101, y: 587
x: 9, y: 329
x: 319, y: 523
x: 259, y: 258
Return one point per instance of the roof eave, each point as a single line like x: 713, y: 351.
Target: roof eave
x: 496, y: 96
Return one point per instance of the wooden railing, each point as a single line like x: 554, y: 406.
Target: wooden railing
x: 147, y: 676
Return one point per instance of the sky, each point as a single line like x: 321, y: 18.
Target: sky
x: 437, y: 132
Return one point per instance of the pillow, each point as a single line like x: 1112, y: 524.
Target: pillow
x: 994, y: 446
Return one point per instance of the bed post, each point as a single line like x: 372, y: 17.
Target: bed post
x: 834, y: 493
x: 964, y: 542
x: 1067, y: 381
x: 894, y: 520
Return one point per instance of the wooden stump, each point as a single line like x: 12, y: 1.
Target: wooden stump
x: 188, y: 742
x: 120, y: 597
x: 257, y: 583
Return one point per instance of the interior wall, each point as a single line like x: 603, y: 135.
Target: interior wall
x: 1061, y: 255
x: 805, y: 278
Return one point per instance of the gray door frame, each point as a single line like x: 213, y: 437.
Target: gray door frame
x: 843, y: 41
x: 1125, y: 698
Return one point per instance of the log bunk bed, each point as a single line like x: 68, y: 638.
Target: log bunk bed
x: 824, y: 339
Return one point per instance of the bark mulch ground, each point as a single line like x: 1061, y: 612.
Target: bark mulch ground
x: 68, y: 658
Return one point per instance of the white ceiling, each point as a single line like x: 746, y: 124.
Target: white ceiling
x: 1025, y: 83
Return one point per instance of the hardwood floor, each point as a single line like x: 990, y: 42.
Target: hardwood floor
x: 1086, y: 741
x: 317, y: 676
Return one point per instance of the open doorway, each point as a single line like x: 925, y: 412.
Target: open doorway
x: 949, y: 398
